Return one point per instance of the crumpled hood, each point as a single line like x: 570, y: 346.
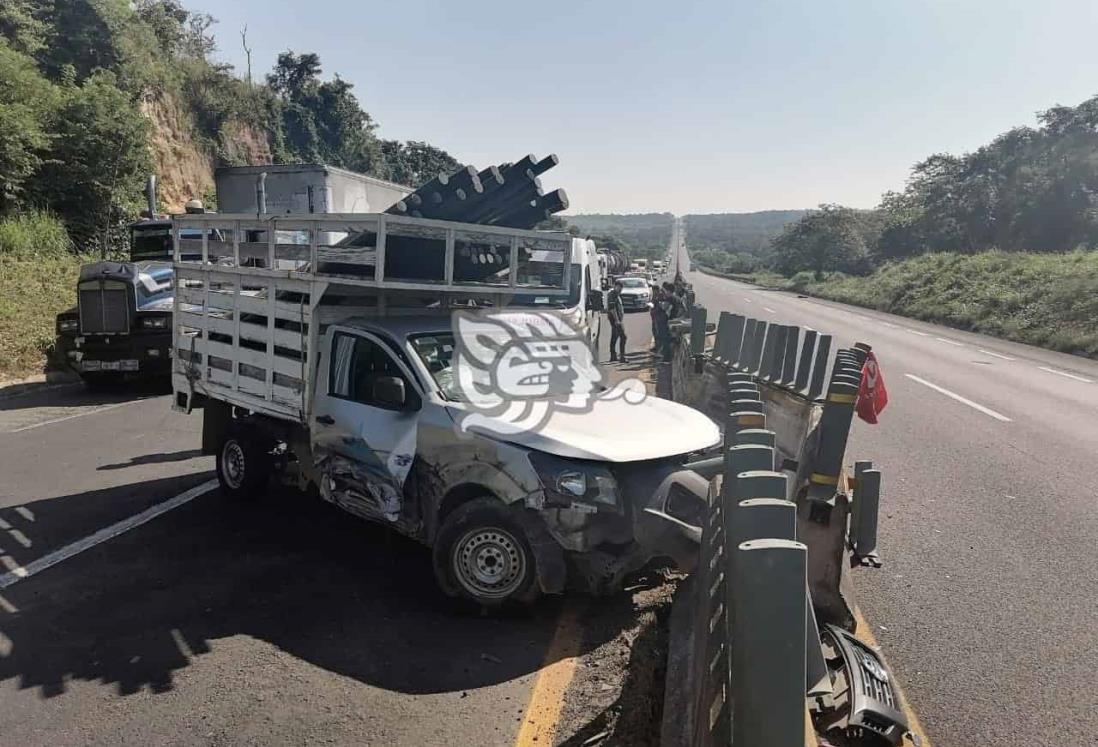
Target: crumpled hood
x: 615, y: 430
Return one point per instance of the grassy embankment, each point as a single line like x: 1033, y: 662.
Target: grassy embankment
x: 1048, y: 300
x: 38, y: 273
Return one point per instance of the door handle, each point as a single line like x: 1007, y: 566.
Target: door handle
x: 325, y: 419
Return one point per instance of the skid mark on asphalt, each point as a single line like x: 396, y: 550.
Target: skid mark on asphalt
x: 864, y: 633
x: 953, y: 395
x: 17, y: 573
x: 539, y: 722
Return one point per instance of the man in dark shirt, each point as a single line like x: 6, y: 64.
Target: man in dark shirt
x: 616, y: 312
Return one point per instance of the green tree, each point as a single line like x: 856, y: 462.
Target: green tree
x: 21, y: 24
x: 97, y: 164
x: 415, y: 162
x: 824, y: 240
x: 27, y: 101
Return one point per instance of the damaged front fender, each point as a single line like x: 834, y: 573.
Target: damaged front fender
x: 667, y: 520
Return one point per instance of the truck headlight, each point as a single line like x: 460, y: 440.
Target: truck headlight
x: 67, y: 325
x: 570, y: 480
x: 154, y: 322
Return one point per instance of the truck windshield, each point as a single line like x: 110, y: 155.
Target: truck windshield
x: 547, y: 274
x: 633, y: 283
x: 437, y: 351
x: 155, y: 242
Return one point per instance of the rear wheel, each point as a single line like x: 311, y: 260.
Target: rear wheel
x: 482, y: 554
x: 243, y: 464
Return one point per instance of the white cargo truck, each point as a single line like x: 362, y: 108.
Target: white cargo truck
x: 339, y: 375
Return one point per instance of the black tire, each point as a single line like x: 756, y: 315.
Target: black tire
x: 482, y: 554
x: 243, y: 464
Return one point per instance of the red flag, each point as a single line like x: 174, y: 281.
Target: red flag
x: 872, y: 395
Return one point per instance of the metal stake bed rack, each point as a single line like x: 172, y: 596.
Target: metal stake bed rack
x: 249, y: 291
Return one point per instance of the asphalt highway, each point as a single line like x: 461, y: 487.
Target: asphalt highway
x: 138, y: 606
x: 987, y: 605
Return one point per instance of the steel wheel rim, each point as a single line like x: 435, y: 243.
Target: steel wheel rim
x: 489, y: 563
x: 232, y: 464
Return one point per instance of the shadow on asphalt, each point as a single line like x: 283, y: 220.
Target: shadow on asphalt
x: 337, y: 592
x: 158, y: 458
x: 77, y: 395
x: 38, y: 527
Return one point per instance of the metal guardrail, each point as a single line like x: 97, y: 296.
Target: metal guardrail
x: 777, y: 532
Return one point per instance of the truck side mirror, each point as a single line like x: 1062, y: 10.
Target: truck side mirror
x: 594, y: 301
x: 389, y: 392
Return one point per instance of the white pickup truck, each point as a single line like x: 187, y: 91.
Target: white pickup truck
x: 341, y: 375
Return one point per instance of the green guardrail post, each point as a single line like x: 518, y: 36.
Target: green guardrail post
x: 789, y: 365
x: 819, y: 366
x: 735, y: 338
x: 697, y: 330
x: 768, y: 643
x: 759, y: 436
x: 834, y: 430
x: 804, y: 365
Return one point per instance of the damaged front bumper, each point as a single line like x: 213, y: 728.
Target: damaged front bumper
x: 660, y: 515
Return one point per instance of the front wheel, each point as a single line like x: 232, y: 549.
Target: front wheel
x: 243, y: 464
x: 482, y: 554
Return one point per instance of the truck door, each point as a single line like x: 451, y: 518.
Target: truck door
x: 364, y: 425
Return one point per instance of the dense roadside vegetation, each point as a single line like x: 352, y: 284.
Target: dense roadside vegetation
x: 76, y: 77
x: 38, y: 271
x: 80, y: 83
x: 1002, y: 240
x: 1046, y: 299
x: 638, y: 235
x: 736, y: 242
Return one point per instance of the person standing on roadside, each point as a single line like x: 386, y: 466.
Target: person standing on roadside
x: 615, y: 310
x: 653, y: 311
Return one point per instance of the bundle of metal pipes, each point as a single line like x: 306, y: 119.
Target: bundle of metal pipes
x: 508, y: 195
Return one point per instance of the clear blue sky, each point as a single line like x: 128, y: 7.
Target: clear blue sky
x: 708, y: 106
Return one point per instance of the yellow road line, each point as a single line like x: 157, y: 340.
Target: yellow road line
x: 539, y: 722
x: 865, y: 634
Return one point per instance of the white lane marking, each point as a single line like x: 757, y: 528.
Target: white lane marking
x: 4, y: 524
x: 7, y: 606
x: 888, y: 324
x: 996, y: 355
x: 746, y: 300
x: 915, y: 332
x: 18, y: 573
x: 25, y: 512
x: 92, y: 411
x: 959, y: 398
x: 19, y: 537
x: 767, y: 308
x: 950, y: 342
x: 1066, y: 374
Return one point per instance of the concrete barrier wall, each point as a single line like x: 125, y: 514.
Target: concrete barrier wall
x: 775, y: 542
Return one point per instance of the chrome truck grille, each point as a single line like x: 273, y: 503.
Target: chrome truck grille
x: 104, y: 307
